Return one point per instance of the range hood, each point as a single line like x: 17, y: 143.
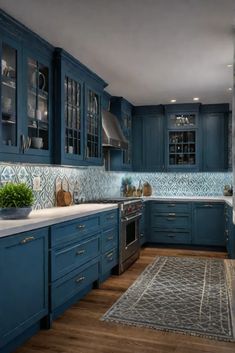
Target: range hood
x: 113, y: 136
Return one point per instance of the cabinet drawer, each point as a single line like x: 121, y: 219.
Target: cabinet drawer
x: 110, y: 217
x: 170, y: 221
x: 67, y: 259
x: 168, y: 207
x: 67, y: 287
x: 109, y: 260
x: 109, y: 239
x: 170, y: 237
x: 75, y: 230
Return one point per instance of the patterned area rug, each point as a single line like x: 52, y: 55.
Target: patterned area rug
x: 180, y: 294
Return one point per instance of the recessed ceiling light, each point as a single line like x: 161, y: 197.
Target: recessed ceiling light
x: 196, y: 99
x: 173, y: 100
x: 230, y: 65
x: 230, y: 89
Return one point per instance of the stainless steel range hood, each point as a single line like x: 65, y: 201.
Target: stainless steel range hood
x: 113, y: 136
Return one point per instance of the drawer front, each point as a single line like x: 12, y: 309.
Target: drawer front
x: 67, y: 259
x: 169, y: 207
x: 170, y: 221
x: 109, y: 218
x: 109, y: 239
x: 170, y: 237
x: 109, y: 260
x: 63, y: 290
x: 75, y: 230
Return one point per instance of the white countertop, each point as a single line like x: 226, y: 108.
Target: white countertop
x: 227, y: 199
x: 49, y: 216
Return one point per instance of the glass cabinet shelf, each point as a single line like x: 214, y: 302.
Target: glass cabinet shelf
x: 182, y: 147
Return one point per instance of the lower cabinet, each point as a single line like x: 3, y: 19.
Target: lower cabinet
x: 229, y: 231
x: 24, y: 282
x: 143, y: 223
x: 83, y: 253
x: 187, y: 223
x: 208, y: 224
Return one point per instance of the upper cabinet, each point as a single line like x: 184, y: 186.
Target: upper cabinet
x: 182, y: 140
x: 26, y: 94
x: 122, y: 159
x: 148, y: 138
x: 215, y: 137
x: 77, y: 112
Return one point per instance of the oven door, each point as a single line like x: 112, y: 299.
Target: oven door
x: 130, y: 236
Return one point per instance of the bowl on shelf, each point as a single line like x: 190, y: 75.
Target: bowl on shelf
x: 37, y: 142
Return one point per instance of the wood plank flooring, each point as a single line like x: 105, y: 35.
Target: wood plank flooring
x: 79, y: 330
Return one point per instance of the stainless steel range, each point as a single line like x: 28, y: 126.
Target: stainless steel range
x: 129, y: 237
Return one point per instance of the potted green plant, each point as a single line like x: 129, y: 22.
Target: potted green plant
x: 16, y: 201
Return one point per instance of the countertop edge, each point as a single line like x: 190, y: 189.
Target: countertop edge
x: 17, y: 229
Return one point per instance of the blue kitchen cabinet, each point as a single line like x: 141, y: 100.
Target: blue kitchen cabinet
x: 215, y: 137
x: 78, y: 124
x: 183, y: 137
x: 26, y: 94
x: 24, y: 281
x: 170, y: 222
x: 229, y: 231
x: 121, y: 160
x: 143, y: 224
x: 148, y: 139
x: 208, y: 224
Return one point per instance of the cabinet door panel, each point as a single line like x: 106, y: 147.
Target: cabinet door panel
x: 137, y: 145
x: 214, y: 142
x: 208, y: 225
x: 153, y: 149
x: 23, y: 275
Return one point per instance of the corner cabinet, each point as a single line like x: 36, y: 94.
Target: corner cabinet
x: 121, y: 160
x: 78, y: 125
x: 26, y: 94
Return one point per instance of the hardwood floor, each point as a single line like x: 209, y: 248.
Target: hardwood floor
x: 79, y: 330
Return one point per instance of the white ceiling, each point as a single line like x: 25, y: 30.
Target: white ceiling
x: 148, y: 51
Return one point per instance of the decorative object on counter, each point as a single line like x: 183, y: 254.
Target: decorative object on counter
x: 228, y: 190
x: 76, y: 193
x: 147, y: 189
x: 127, y: 187
x: 139, y: 190
x: 63, y: 195
x: 179, y: 294
x: 16, y: 201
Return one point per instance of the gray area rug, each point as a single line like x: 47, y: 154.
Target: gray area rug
x: 180, y: 294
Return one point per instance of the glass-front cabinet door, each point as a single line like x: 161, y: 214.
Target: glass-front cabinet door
x: 9, y: 98
x: 37, y: 105
x: 182, y: 141
x: 93, y: 125
x: 72, y: 117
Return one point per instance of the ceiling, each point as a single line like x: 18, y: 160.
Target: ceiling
x: 148, y: 51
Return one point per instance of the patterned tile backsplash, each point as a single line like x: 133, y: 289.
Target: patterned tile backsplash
x: 94, y: 183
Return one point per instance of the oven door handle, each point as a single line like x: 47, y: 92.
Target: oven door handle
x: 127, y: 219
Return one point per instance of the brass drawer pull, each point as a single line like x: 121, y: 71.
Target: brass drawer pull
x: 171, y: 214
x: 80, y: 279
x: 110, y: 256
x: 226, y: 231
x: 27, y: 240
x: 171, y: 235
x: 110, y: 237
x: 141, y: 235
x: 171, y: 205
x: 171, y: 219
x: 80, y: 252
x: 208, y: 205
x: 81, y: 226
